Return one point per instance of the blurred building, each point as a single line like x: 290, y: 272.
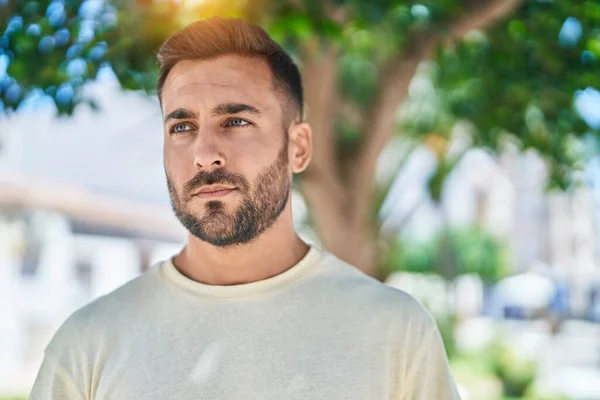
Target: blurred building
x: 507, y: 196
x: 50, y: 265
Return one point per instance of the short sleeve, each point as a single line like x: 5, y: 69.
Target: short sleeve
x: 428, y: 376
x: 53, y: 382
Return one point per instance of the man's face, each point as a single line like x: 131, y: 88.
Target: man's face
x: 226, y: 148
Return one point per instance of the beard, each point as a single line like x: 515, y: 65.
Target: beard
x: 260, y: 207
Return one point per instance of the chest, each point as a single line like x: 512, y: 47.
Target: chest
x: 250, y: 358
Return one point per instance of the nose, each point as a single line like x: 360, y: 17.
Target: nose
x: 207, y: 156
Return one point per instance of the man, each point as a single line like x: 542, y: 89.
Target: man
x: 246, y: 310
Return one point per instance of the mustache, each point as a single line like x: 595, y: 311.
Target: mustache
x: 218, y: 176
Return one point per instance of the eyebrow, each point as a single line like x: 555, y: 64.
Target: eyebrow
x: 234, y: 108
x: 221, y: 109
x: 181, y: 113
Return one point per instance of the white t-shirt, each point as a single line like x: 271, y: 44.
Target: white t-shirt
x: 321, y: 330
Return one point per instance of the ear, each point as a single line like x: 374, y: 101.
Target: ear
x: 300, y: 146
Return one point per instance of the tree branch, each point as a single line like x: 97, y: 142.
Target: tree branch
x: 321, y: 99
x: 395, y: 79
x: 484, y: 15
x: 321, y: 181
x: 380, y: 124
x: 352, y: 113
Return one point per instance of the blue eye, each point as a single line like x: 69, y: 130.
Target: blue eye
x: 237, y: 122
x: 180, y: 128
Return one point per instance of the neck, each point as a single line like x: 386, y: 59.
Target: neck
x: 273, y: 252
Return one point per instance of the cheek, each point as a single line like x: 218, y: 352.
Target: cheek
x: 177, y: 161
x: 245, y: 159
x: 251, y: 153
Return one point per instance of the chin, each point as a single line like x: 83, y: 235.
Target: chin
x: 219, y: 207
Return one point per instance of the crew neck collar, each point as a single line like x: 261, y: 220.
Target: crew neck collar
x: 172, y: 275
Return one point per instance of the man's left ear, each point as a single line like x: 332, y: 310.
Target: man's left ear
x: 300, y: 146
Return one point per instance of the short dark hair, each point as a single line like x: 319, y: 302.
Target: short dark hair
x: 214, y: 37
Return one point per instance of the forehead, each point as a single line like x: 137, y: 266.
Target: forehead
x: 229, y: 78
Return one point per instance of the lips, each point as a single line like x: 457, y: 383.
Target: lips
x: 214, y: 191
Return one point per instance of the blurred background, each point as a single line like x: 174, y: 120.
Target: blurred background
x: 456, y: 157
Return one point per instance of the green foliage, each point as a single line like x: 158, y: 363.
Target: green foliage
x: 520, y: 78
x: 499, y: 362
x: 410, y: 256
x: 131, y: 32
x: 435, y: 184
x: 133, y: 60
x: 447, y: 327
x: 478, y: 252
x: 517, y: 78
x: 532, y: 393
x: 474, y: 371
x: 516, y: 373
x: 57, y: 46
x: 474, y: 251
x: 53, y: 46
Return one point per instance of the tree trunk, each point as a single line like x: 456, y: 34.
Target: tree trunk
x: 341, y: 204
x: 330, y: 197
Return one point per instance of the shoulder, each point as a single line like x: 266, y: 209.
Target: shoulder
x: 361, y: 290
x: 88, y: 324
